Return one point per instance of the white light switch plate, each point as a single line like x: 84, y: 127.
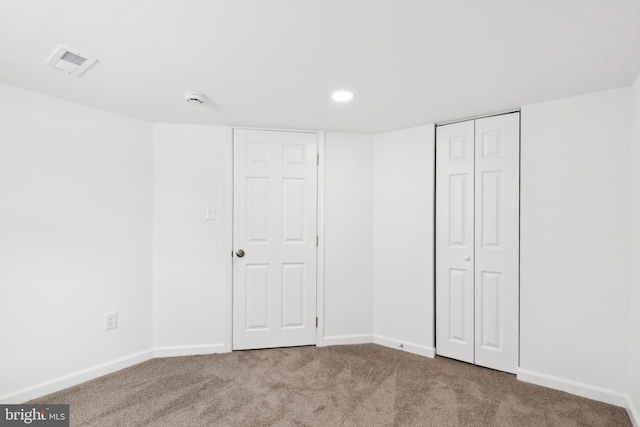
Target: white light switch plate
x: 211, y: 212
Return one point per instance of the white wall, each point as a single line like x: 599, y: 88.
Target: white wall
x: 633, y: 375
x: 348, y: 238
x: 79, y: 185
x: 574, y: 236
x: 189, y: 291
x: 403, y: 202
x: 189, y: 295
x: 75, y: 242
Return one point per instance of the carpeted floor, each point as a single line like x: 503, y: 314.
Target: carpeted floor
x: 357, y: 385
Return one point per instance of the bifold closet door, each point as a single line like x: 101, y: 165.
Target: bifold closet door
x: 477, y: 240
x: 497, y: 193
x: 454, y: 241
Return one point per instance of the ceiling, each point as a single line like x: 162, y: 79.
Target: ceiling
x: 275, y: 63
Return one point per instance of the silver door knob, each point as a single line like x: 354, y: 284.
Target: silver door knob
x: 240, y: 253
x: 467, y: 258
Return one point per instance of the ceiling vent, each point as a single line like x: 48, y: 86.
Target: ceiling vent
x: 69, y: 61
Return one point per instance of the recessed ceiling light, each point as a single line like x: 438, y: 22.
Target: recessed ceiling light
x: 342, y: 96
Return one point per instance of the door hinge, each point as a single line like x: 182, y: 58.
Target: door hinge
x: 317, y: 241
x: 316, y: 322
x: 318, y: 159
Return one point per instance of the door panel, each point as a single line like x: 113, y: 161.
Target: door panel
x: 490, y: 201
x: 275, y: 224
x: 459, y: 188
x: 257, y: 218
x: 454, y: 241
x: 293, y: 207
x: 293, y: 296
x: 490, y: 293
x: 256, y: 291
x: 497, y: 180
x: 459, y: 307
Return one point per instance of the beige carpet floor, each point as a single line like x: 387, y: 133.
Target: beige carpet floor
x: 357, y: 385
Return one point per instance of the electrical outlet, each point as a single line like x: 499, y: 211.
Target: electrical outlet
x: 111, y: 320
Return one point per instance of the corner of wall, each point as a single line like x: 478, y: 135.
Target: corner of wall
x: 403, y: 237
x: 345, y: 284
x: 189, y: 175
x: 576, y: 198
x: 90, y: 172
x: 633, y: 357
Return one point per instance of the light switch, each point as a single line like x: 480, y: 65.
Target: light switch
x: 211, y: 212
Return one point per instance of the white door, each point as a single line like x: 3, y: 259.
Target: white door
x: 497, y: 188
x: 477, y: 241
x: 274, y: 235
x: 455, y: 241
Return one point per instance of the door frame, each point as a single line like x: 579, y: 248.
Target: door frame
x: 228, y: 232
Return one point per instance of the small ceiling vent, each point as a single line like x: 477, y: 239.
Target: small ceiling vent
x: 69, y: 61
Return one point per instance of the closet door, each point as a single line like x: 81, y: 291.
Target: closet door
x: 455, y: 241
x: 497, y: 192
x: 477, y: 241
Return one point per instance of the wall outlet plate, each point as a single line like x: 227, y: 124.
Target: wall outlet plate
x: 110, y: 320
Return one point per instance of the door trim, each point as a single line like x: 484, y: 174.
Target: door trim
x: 502, y: 113
x: 228, y: 237
x: 321, y: 246
x: 228, y: 233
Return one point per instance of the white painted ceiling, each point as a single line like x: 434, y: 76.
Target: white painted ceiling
x: 274, y: 63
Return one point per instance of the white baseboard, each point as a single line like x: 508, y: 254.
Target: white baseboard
x: 60, y: 383
x: 633, y: 413
x: 574, y: 387
x: 420, y: 349
x: 347, y: 339
x: 57, y: 384
x: 190, y: 350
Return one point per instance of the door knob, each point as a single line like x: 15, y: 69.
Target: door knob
x: 467, y: 258
x: 240, y: 253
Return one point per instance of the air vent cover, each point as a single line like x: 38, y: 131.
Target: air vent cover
x: 70, y: 61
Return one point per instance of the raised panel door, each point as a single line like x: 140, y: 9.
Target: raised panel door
x: 497, y: 190
x: 454, y: 241
x: 477, y: 241
x: 275, y: 210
